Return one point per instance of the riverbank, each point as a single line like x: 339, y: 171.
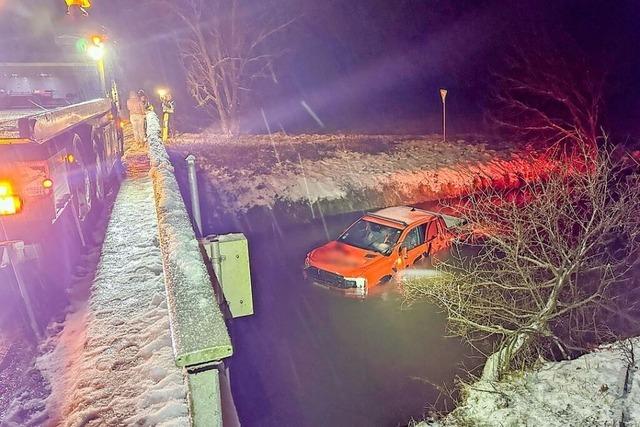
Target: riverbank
x: 303, y: 177
x: 601, y: 388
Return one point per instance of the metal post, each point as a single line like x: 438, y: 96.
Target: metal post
x: 204, y: 393
x: 444, y: 121
x: 10, y: 247
x: 24, y: 292
x: 443, y: 96
x: 101, y: 73
x: 217, y: 260
x: 165, y: 126
x: 193, y: 190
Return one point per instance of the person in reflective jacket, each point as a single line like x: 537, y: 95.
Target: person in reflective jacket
x: 168, y: 108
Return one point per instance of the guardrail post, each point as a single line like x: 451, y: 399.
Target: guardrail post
x: 193, y: 191
x: 204, y: 389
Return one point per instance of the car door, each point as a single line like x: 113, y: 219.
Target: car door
x: 438, y: 237
x: 415, y: 244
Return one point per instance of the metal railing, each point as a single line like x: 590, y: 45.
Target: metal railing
x: 198, y: 331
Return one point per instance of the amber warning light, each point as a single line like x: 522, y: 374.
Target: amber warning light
x: 10, y: 204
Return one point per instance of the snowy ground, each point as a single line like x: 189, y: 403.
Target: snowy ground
x: 111, y: 361
x: 305, y: 175
x: 601, y: 388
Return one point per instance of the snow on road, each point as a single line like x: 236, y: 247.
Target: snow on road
x: 112, y: 363
x: 601, y: 388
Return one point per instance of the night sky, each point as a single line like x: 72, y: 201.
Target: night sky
x: 376, y: 65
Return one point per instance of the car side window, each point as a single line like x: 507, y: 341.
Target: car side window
x: 432, y: 231
x: 415, y: 237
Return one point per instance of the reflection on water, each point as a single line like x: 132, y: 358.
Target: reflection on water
x: 310, y: 357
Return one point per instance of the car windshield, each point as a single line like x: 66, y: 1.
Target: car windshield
x: 371, y: 236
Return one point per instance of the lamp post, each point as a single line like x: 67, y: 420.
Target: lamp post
x: 96, y: 52
x: 443, y: 95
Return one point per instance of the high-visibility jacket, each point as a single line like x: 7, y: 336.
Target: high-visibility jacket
x: 80, y: 3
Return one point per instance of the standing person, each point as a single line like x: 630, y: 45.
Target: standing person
x: 145, y: 101
x: 136, y: 116
x: 168, y: 108
x: 146, y: 106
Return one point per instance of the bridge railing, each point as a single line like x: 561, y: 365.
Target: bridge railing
x: 198, y: 331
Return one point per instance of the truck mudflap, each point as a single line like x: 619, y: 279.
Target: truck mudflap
x: 44, y: 126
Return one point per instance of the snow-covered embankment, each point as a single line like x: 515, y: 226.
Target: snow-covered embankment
x: 601, y: 388
x: 301, y: 177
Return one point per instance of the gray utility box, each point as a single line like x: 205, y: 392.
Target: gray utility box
x: 229, y: 255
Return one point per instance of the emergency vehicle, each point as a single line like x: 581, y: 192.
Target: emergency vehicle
x: 60, y: 149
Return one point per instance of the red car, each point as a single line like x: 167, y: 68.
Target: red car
x: 377, y: 246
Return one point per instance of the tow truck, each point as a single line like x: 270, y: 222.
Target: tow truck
x: 60, y: 149
x: 377, y: 246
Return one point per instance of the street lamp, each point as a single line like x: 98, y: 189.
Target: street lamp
x: 96, y: 51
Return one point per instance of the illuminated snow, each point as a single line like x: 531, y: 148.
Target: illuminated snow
x: 409, y: 169
x: 589, y: 390
x: 112, y: 363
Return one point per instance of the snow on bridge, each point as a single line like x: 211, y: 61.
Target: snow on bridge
x: 112, y: 363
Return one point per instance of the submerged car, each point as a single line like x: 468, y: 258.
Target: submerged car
x: 377, y: 246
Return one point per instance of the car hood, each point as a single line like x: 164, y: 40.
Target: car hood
x: 343, y: 259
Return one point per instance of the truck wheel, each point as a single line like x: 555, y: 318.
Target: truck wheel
x: 100, y: 174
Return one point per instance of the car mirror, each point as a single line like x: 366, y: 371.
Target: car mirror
x: 404, y: 252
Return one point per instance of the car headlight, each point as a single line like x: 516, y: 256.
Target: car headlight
x: 307, y: 262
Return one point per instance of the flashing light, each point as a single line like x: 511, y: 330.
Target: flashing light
x: 96, y: 39
x: 10, y: 204
x: 47, y: 183
x: 6, y: 189
x: 70, y: 158
x: 95, y: 52
x: 162, y: 92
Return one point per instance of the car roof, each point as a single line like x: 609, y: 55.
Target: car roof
x: 404, y: 214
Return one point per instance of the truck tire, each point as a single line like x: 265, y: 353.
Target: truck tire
x: 100, y: 171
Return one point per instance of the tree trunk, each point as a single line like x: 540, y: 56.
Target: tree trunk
x: 500, y: 361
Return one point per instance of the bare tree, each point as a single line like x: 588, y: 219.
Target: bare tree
x: 549, y: 95
x: 223, y: 51
x: 547, y: 270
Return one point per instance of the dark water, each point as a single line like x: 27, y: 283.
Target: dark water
x: 311, y: 357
